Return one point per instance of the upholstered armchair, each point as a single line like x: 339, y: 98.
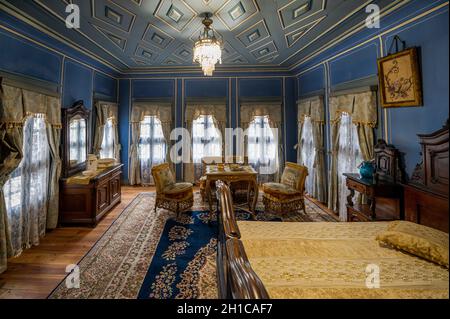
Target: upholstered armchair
x: 170, y: 195
x: 288, y: 195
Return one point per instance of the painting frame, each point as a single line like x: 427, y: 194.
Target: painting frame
x: 414, y: 94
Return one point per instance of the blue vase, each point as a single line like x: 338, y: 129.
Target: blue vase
x: 367, y: 170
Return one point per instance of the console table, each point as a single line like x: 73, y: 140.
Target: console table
x: 87, y: 204
x: 384, y: 191
x: 383, y: 200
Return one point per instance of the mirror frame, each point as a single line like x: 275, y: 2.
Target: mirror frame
x: 78, y: 109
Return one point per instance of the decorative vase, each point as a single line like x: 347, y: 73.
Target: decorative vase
x: 367, y: 170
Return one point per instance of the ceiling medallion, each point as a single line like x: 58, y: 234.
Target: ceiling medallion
x: 208, y: 49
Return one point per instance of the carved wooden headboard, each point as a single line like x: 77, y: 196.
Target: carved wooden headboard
x: 426, y: 194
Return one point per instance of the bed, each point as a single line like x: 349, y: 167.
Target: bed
x: 262, y: 260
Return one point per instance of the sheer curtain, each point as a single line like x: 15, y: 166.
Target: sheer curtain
x: 262, y: 149
x: 206, y: 141
x: 106, y: 138
x: 26, y: 192
x: 152, y: 147
x: 348, y: 159
x: 107, y: 148
x: 308, y: 154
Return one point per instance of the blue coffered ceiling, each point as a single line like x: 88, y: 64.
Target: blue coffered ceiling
x: 144, y: 35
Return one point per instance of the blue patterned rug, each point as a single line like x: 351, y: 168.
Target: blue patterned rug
x: 184, y: 263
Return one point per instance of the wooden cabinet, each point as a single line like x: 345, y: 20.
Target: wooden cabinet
x: 87, y: 204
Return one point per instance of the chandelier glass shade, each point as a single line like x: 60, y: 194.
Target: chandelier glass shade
x: 208, y: 49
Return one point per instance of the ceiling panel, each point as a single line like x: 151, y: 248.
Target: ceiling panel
x: 140, y: 34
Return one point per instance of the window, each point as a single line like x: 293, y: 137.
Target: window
x: 26, y: 190
x: 108, y: 142
x: 349, y: 158
x: 206, y: 141
x: 152, y: 147
x: 308, y: 153
x: 262, y: 148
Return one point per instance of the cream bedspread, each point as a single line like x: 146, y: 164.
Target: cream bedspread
x: 329, y: 260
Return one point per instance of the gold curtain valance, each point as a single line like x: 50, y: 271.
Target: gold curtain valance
x: 313, y: 108
x: 142, y: 109
x: 107, y: 110
x: 218, y: 111
x: 19, y: 104
x: 361, y: 106
x: 249, y: 111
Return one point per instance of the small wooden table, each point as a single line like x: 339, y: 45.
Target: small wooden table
x: 384, y: 200
x: 227, y: 175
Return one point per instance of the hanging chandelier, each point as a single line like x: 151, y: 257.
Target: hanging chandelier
x: 208, y: 49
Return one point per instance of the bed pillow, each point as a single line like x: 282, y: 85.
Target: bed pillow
x: 428, y: 243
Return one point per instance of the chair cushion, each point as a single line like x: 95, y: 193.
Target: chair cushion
x: 280, y: 191
x: 164, y: 178
x: 177, y: 188
x: 291, y: 177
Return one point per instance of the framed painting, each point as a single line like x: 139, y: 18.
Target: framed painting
x: 400, y: 82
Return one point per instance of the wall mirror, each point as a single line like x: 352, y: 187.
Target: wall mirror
x: 75, y: 139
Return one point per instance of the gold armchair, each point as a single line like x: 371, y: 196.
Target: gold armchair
x: 170, y: 195
x: 288, y: 195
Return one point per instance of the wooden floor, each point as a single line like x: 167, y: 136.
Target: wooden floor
x: 40, y: 269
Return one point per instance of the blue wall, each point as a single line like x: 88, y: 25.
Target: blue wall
x: 356, y: 58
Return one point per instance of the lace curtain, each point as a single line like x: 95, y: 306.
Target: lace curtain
x: 349, y: 157
x: 141, y: 110
x: 272, y: 113
x: 26, y: 192
x: 106, y: 139
x: 107, y: 148
x: 152, y: 148
x: 262, y: 149
x: 206, y: 141
x: 308, y: 154
x: 311, y: 115
x: 211, y: 131
x: 17, y: 105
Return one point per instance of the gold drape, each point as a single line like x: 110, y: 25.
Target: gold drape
x: 193, y: 112
x: 105, y: 111
x: 315, y: 109
x: 273, y: 111
x: 362, y: 108
x: 16, y: 105
x: 162, y: 111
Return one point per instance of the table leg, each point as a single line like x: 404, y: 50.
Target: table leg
x: 249, y: 188
x: 255, y: 198
x: 350, y: 197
